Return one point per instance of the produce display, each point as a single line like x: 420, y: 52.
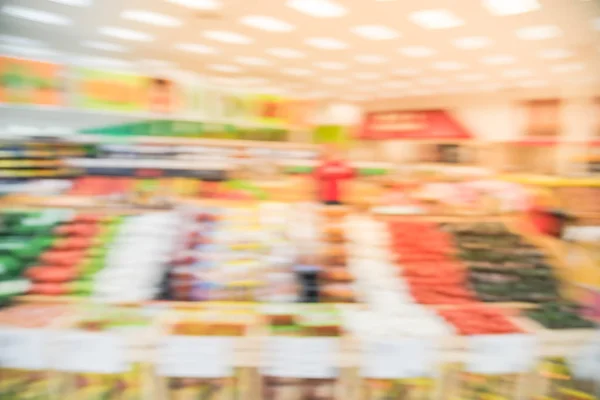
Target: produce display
x: 581, y: 201
x: 559, y: 315
x: 503, y: 266
x: 36, y: 160
x: 478, y: 320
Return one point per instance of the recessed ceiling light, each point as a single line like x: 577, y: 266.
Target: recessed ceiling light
x: 267, y: 23
x: 78, y: 3
x: 435, y: 19
x: 432, y: 81
x: 36, y: 15
x: 406, y: 72
x: 370, y: 59
x: 375, y: 32
x: 127, y: 34
x: 448, y: 65
x: 20, y: 40
x: 225, y: 68
x: 510, y: 7
x: 252, y: 60
x: 331, y: 65
x: 517, y: 73
x: 95, y: 44
x: 228, y: 37
x: 326, y: 43
x: 297, y: 71
x: 555, y: 54
x: 198, y: 4
x: 472, y: 42
x: 195, y: 48
x: 318, y: 8
x: 367, y: 75
x: 150, y: 17
x: 283, y: 52
x: 539, y: 32
x: 570, y: 67
x: 335, y: 81
x: 533, y: 83
x: 417, y: 51
x: 498, y: 59
x: 474, y: 77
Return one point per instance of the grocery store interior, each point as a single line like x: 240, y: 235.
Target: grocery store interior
x: 195, y: 193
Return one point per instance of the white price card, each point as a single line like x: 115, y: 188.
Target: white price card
x: 501, y: 354
x: 95, y: 352
x: 22, y: 348
x: 196, y: 357
x: 398, y: 358
x: 301, y: 357
x: 585, y: 363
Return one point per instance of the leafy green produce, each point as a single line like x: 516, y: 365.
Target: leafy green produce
x: 559, y: 315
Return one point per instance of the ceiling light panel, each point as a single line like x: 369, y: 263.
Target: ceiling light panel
x: 326, y: 43
x: 283, y: 52
x: 375, y: 32
x: 267, y: 23
x: 539, y: 32
x: 225, y: 68
x: 318, y: 8
x: 99, y: 45
x: 498, y: 59
x: 331, y: 65
x: 127, y: 34
x: 198, y: 4
x: 195, y: 48
x: 448, y: 66
x: 150, y: 17
x: 227, y: 37
x: 417, y: 51
x: 370, y: 59
x: 32, y: 14
x: 297, y: 71
x: 510, y: 7
x: 555, y: 54
x: 76, y: 3
x: 257, y: 61
x: 435, y: 19
x: 472, y: 42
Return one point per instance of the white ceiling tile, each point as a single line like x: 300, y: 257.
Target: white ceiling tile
x: 195, y: 48
x: 150, y: 17
x: 375, y: 32
x: 332, y: 65
x: 326, y: 43
x: 198, y: 4
x: 227, y: 37
x: 435, y: 19
x: 318, y: 8
x: 252, y: 61
x: 127, y: 34
x: 267, y: 23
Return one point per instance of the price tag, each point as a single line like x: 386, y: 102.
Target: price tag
x: 586, y: 362
x: 293, y: 357
x: 501, y: 354
x: 196, y: 357
x: 398, y: 358
x: 95, y: 352
x: 22, y: 348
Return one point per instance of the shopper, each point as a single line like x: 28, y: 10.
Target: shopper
x: 330, y: 175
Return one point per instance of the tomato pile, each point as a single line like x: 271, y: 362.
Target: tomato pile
x: 424, y: 255
x: 478, y: 320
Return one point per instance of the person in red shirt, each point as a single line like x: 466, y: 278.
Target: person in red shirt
x: 330, y: 175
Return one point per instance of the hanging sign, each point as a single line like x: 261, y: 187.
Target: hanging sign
x: 30, y: 82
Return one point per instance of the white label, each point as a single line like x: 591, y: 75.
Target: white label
x: 95, y: 352
x: 196, y: 357
x: 22, y: 348
x: 501, y: 354
x: 293, y: 357
x: 398, y: 358
x: 586, y: 362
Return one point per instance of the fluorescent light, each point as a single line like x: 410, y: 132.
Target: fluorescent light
x: 150, y: 17
x: 555, y: 54
x: 283, y: 52
x: 228, y: 37
x: 94, y: 44
x: 406, y: 72
x: 539, y: 32
x: 93, y: 61
x: 448, y: 65
x: 331, y: 65
x: 375, y: 32
x: 20, y: 41
x: 335, y: 81
x: 367, y: 75
x: 517, y: 73
x: 474, y: 77
x: 472, y: 42
x: 28, y: 50
x: 370, y: 59
x: 267, y: 23
x: 498, y: 59
x: 435, y: 19
x: 432, y: 81
x: 417, y: 51
x: 252, y: 60
x: 195, y: 48
x: 36, y: 15
x: 318, y: 8
x: 198, y: 4
x: 326, y: 43
x: 570, y: 67
x: 127, y: 34
x: 510, y: 7
x: 77, y: 3
x: 297, y: 71
x: 225, y: 68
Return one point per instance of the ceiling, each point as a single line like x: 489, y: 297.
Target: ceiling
x: 554, y: 45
